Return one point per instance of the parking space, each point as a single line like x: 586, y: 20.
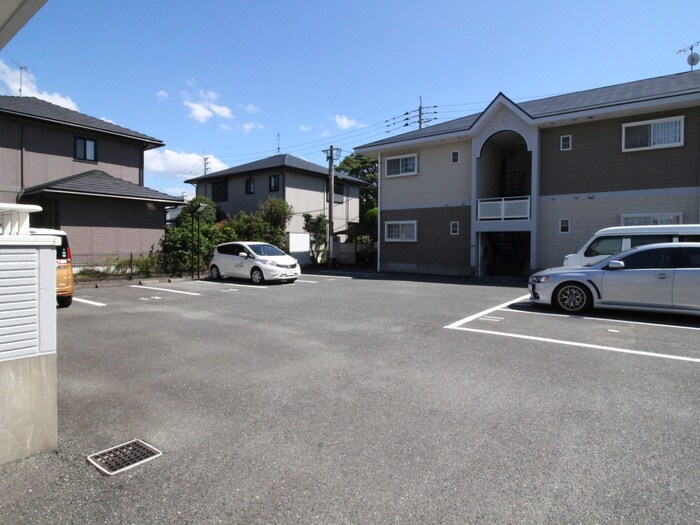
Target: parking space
x: 659, y: 336
x: 343, y: 399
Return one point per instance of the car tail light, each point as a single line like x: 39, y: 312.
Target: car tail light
x: 66, y: 256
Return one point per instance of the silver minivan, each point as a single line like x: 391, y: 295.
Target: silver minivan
x: 610, y: 241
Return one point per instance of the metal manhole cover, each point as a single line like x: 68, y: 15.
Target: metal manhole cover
x: 123, y: 457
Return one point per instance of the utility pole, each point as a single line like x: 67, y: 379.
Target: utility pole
x: 331, y: 154
x: 420, y: 113
x: 206, y: 165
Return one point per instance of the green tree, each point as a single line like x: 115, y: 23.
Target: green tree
x: 276, y: 214
x: 365, y: 169
x: 318, y: 228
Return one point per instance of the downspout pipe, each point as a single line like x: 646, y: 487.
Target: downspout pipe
x: 379, y: 212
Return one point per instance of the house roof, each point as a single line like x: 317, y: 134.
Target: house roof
x: 276, y: 162
x: 97, y: 183
x: 654, y: 90
x: 34, y: 108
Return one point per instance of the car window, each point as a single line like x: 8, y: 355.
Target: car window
x: 641, y: 240
x: 266, y: 249
x: 647, y: 259
x: 691, y: 258
x: 689, y: 238
x: 226, y: 249
x: 604, y: 246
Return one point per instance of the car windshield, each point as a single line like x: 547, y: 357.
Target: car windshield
x: 265, y: 249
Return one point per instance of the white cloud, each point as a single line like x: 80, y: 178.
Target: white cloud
x: 107, y: 120
x: 14, y: 78
x: 225, y: 127
x: 198, y: 111
x: 179, y: 164
x: 325, y: 134
x: 221, y: 111
x: 208, y: 95
x: 305, y: 129
x: 345, y: 123
x: 163, y: 95
x: 251, y: 108
x: 250, y: 126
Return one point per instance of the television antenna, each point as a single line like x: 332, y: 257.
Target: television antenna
x: 22, y: 69
x: 693, y: 58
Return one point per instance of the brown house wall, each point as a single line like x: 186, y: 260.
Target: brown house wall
x: 436, y: 251
x: 597, y: 163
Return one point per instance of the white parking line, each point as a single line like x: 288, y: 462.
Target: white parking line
x: 237, y: 285
x: 308, y: 282
x: 93, y: 303
x: 163, y: 289
x: 484, y: 315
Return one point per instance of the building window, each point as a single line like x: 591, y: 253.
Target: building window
x: 404, y: 165
x: 249, y: 186
x: 455, y: 157
x: 275, y: 182
x: 401, y: 231
x: 653, y: 134
x: 85, y: 149
x: 454, y: 228
x: 565, y: 143
x: 219, y: 191
x: 339, y: 191
x: 564, y: 225
x: 644, y: 219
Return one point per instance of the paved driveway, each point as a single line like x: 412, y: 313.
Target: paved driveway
x: 347, y: 400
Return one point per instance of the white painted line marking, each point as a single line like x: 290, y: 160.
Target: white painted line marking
x: 620, y: 321
x: 93, y: 303
x: 163, y: 289
x: 491, y: 319
x: 613, y: 331
x: 580, y: 345
x: 237, y: 285
x: 309, y: 282
x: 485, y: 312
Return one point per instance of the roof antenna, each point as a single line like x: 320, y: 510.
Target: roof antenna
x: 22, y: 69
x: 278, y: 143
x: 693, y: 57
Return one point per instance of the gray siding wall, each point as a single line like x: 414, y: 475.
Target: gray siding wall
x: 49, y: 155
x: 436, y: 251
x: 596, y: 162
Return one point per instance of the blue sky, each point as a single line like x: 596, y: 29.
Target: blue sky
x: 222, y: 78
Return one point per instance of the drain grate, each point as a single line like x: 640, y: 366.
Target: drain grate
x: 123, y: 457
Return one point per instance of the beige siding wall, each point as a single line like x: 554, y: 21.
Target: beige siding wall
x: 588, y: 215
x: 439, y: 182
x: 306, y: 195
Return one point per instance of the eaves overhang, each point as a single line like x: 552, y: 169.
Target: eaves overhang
x: 174, y: 200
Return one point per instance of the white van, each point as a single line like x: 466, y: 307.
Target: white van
x: 610, y: 241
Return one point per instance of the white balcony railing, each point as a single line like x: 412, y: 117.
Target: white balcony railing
x: 503, y: 209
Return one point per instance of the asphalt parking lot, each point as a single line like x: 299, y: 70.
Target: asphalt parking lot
x: 365, y: 399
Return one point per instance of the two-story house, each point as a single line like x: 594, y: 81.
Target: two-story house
x: 87, y: 175
x: 518, y: 186
x: 302, y: 184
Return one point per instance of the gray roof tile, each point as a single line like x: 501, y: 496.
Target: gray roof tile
x: 97, y: 182
x: 30, y: 107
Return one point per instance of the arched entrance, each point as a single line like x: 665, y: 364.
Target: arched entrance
x: 504, y: 187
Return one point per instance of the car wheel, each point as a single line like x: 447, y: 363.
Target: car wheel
x: 64, y: 301
x: 215, y: 273
x: 573, y: 298
x: 257, y: 276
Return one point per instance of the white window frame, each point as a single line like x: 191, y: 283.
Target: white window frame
x: 454, y: 228
x: 452, y: 157
x: 400, y: 174
x: 568, y: 226
x: 561, y: 143
x: 652, y: 216
x: 680, y: 119
x: 401, y: 239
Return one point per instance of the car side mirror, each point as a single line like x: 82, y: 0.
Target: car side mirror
x: 616, y: 265
x: 243, y: 254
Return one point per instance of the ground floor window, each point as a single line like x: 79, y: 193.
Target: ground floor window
x: 645, y: 219
x: 401, y: 231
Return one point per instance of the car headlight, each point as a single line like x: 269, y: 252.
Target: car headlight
x: 540, y: 278
x: 270, y: 263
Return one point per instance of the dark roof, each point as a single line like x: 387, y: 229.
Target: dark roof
x: 658, y: 88
x: 275, y: 162
x: 30, y: 107
x: 101, y: 184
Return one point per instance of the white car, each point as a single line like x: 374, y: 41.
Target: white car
x: 655, y: 277
x: 257, y: 261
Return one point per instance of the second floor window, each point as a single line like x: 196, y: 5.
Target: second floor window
x: 249, y: 186
x: 652, y: 134
x: 275, y: 182
x: 85, y: 149
x: 219, y: 191
x: 404, y: 165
